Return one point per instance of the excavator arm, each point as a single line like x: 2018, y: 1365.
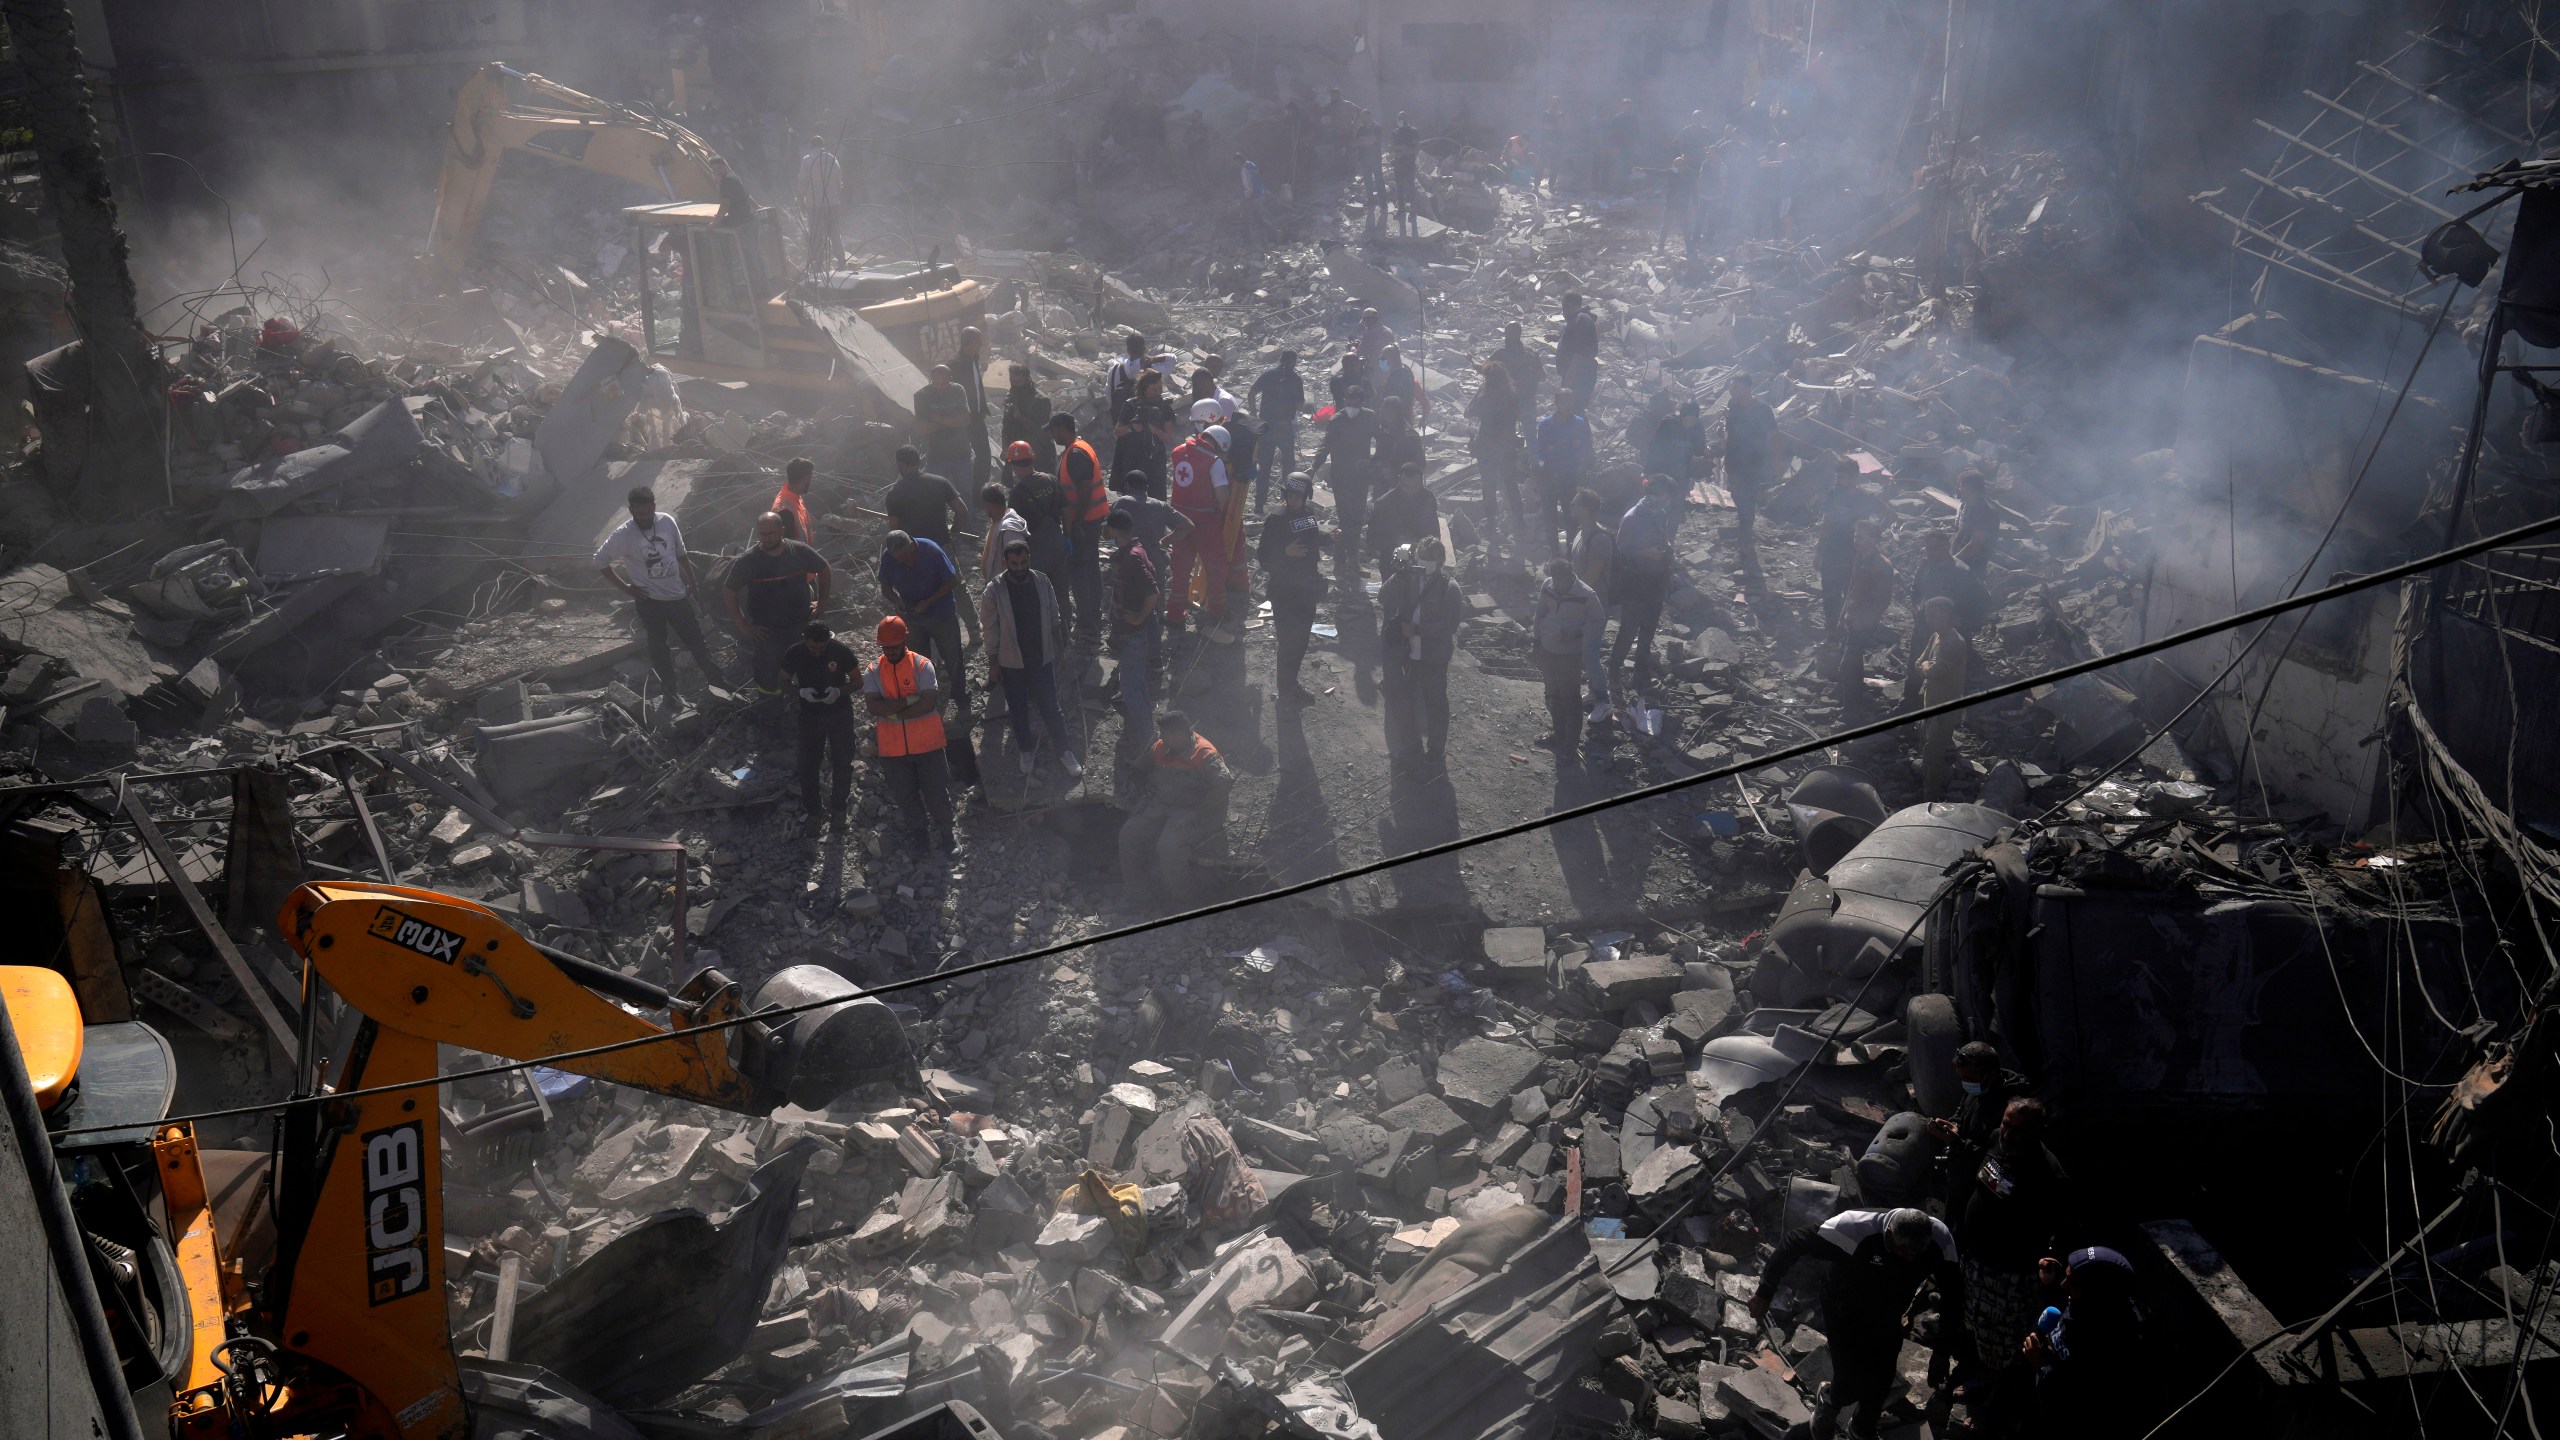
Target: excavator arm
x: 502, y: 109
x: 358, y: 1285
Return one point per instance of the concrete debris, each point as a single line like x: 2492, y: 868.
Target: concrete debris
x: 1495, y: 1145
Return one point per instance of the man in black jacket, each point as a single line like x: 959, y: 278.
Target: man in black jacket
x: 1879, y: 1259
x: 2011, y: 1209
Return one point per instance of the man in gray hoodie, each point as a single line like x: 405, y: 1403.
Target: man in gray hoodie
x: 1018, y: 614
x: 1567, y: 613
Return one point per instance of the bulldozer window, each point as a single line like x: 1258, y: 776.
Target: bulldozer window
x: 723, y: 263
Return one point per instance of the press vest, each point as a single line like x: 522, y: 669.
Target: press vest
x: 899, y: 738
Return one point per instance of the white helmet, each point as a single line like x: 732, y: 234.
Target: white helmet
x: 1216, y: 435
x: 1206, y: 411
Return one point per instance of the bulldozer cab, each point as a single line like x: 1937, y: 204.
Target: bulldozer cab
x: 704, y: 281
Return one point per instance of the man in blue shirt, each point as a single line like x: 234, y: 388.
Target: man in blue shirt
x: 916, y: 582
x: 1564, y: 451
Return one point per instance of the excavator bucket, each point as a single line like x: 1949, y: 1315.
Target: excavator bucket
x: 836, y: 1047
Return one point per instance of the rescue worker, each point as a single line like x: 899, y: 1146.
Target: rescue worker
x: 1042, y: 503
x: 1196, y: 477
x: 1878, y: 1261
x: 649, y: 549
x: 769, y: 597
x: 1088, y: 503
x: 1184, y: 815
x: 1566, y: 615
x: 969, y: 371
x: 823, y: 671
x: 1350, y: 441
x: 791, y: 502
x: 1420, y: 608
x: 1018, y: 614
x: 904, y: 696
x: 1292, y: 545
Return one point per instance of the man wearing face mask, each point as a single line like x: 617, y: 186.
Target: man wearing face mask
x: 1419, y: 608
x: 1988, y: 1089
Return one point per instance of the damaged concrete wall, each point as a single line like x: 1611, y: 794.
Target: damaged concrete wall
x: 2268, y: 449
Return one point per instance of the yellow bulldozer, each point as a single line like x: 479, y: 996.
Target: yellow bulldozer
x: 718, y: 298
x: 300, y: 1290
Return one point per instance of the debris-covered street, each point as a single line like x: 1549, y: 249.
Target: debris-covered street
x: 606, y: 806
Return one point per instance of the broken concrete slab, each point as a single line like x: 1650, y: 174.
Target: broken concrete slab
x: 1479, y: 1076
x: 1633, y: 980
x: 1430, y: 1118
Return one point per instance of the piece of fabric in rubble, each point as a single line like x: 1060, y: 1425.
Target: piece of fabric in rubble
x: 610, y: 1326
x: 1096, y: 1193
x: 1221, y: 1183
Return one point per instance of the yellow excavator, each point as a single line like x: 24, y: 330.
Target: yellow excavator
x: 302, y: 1291
x: 718, y: 299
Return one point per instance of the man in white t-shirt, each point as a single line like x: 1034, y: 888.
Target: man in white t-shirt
x: 645, y: 558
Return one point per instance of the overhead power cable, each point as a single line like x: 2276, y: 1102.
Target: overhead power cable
x: 2357, y: 585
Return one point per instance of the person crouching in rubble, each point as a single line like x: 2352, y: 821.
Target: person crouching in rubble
x: 1184, y: 814
x: 1946, y: 665
x: 1419, y: 608
x: 904, y: 695
x: 1566, y: 615
x: 1878, y: 1261
x: 769, y: 599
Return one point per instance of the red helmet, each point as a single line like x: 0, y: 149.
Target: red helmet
x: 1020, y: 453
